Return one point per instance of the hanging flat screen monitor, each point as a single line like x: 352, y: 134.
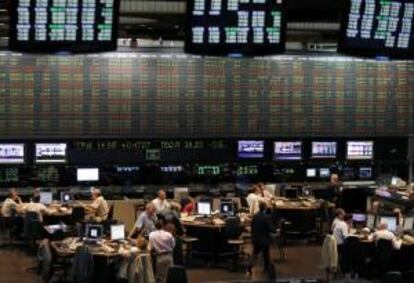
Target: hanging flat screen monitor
x: 87, y: 174
x: 365, y: 173
x: 360, y: 150
x: 250, y: 149
x: 11, y: 153
x: 324, y: 172
x: 219, y: 27
x: 311, y: 172
x: 323, y: 149
x: 50, y: 152
x: 287, y: 150
x: 63, y: 25
x: 378, y: 28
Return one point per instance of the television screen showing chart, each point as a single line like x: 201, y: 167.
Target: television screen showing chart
x: 11, y: 153
x: 323, y: 149
x: 235, y: 26
x: 291, y: 150
x: 360, y: 150
x: 378, y: 27
x: 250, y: 149
x: 50, y: 152
x: 63, y: 25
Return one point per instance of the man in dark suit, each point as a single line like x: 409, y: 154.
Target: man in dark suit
x: 261, y: 229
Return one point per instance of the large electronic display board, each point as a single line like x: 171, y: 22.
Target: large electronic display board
x: 139, y: 95
x: 63, y: 25
x: 378, y: 28
x: 235, y: 26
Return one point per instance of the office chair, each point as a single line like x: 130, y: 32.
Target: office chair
x: 352, y: 260
x: 32, y: 230
x: 232, y: 233
x: 177, y: 274
x: 383, y: 256
x: 78, y: 214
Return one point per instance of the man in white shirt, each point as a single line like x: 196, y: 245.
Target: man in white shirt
x: 384, y: 234
x: 253, y: 200
x: 36, y: 206
x: 12, y: 204
x: 162, y: 244
x: 98, y: 210
x: 161, y: 204
x: 340, y: 231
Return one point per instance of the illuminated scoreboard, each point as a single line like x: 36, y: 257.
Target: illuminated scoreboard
x: 378, y: 27
x: 255, y: 27
x: 64, y: 25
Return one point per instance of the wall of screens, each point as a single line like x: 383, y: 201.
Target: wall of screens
x: 378, y: 27
x: 63, y: 25
x: 235, y: 26
x: 129, y: 95
x: 198, y: 160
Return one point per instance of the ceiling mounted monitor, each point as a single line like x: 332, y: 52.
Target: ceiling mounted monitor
x: 323, y: 149
x: 63, y: 25
x: 247, y: 27
x: 50, y: 152
x: 11, y: 153
x: 378, y: 28
x: 287, y: 150
x: 360, y: 150
x: 250, y: 149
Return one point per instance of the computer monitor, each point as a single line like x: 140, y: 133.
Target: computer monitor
x: 306, y: 192
x: 323, y: 149
x: 88, y: 174
x: 311, y: 172
x: 227, y: 207
x: 408, y: 223
x: 117, y: 232
x: 291, y: 193
x: 287, y: 150
x: 46, y: 197
x: 65, y: 197
x: 250, y: 149
x: 359, y: 217
x: 360, y: 150
x: 365, y: 172
x: 324, y: 172
x: 94, y: 232
x: 391, y: 222
x: 371, y: 221
x: 204, y: 208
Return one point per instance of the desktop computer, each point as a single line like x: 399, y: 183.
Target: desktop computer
x: 227, y: 208
x: 118, y: 232
x: 204, y: 208
x: 65, y: 197
x: 46, y: 198
x: 93, y: 233
x: 408, y: 223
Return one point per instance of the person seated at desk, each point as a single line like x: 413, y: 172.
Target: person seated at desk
x: 253, y: 200
x: 383, y: 233
x: 36, y: 193
x: 261, y: 228
x: 12, y: 204
x: 37, y: 207
x: 162, y: 243
x: 145, y: 223
x: 264, y: 194
x: 98, y: 210
x: 188, y: 205
x: 161, y: 204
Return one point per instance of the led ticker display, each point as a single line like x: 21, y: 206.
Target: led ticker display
x: 250, y: 149
x: 378, y: 27
x: 235, y: 26
x: 50, y: 152
x: 63, y: 25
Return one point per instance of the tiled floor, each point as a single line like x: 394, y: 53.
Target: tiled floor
x: 302, y: 261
